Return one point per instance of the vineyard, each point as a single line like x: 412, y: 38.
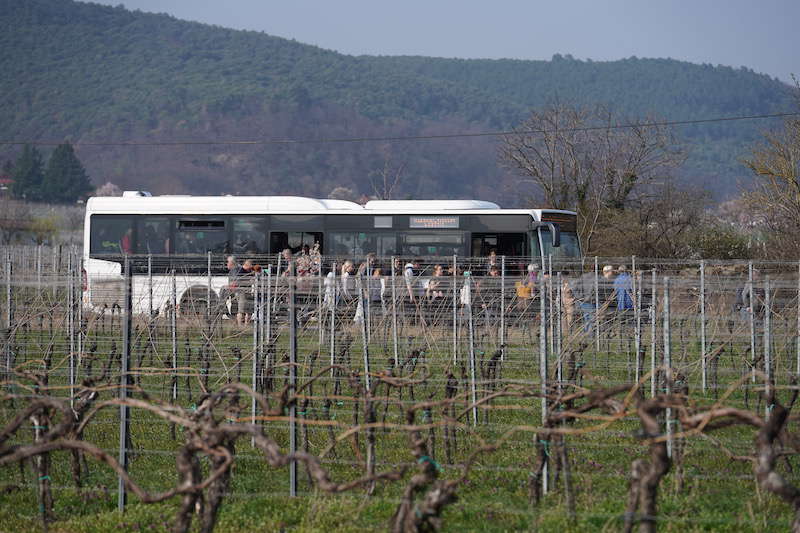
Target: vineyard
x: 389, y: 401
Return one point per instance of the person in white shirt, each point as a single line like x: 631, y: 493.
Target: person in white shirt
x: 408, y: 275
x: 330, y: 290
x: 465, y: 295
x: 347, y: 282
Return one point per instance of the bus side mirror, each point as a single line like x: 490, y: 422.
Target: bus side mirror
x: 555, y: 234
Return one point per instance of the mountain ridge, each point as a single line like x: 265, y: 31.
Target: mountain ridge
x: 90, y: 72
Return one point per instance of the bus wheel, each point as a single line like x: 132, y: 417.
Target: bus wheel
x: 194, y: 302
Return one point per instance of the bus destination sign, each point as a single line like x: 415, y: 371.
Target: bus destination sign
x: 432, y: 222
x: 567, y: 221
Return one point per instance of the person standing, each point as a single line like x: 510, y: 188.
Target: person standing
x: 377, y: 287
x: 584, y: 297
x: 233, y: 280
x: 623, y: 290
x: 244, y: 285
x: 606, y: 287
x: 126, y: 242
x: 348, y: 285
x: 526, y: 288
x: 410, y: 279
x: 432, y: 286
x: 605, y: 291
x: 491, y: 262
x: 287, y: 258
x: 623, y: 294
x: 303, y: 262
x: 330, y: 291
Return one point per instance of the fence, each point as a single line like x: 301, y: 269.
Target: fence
x: 486, y: 342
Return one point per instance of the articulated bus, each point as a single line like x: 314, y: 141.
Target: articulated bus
x: 192, y: 235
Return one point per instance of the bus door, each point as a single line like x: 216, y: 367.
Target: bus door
x: 295, y: 241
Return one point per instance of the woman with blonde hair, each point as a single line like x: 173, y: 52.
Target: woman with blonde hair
x: 348, y: 286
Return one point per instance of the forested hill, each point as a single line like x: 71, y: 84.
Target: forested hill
x: 93, y: 73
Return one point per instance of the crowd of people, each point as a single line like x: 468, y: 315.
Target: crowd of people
x: 240, y: 287
x: 425, y: 288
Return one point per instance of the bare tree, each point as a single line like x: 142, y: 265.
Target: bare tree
x: 665, y: 223
x: 589, y: 159
x: 385, y: 181
x: 776, y: 197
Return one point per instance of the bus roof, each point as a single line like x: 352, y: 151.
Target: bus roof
x: 216, y: 204
x: 429, y: 205
x: 136, y: 202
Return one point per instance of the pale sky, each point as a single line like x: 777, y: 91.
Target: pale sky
x: 761, y: 35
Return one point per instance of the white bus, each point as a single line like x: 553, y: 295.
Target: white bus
x: 193, y: 235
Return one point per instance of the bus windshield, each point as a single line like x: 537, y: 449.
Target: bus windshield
x: 570, y: 247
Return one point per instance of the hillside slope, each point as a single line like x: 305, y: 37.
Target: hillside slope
x: 95, y: 73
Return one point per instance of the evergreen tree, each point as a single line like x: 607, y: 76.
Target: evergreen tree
x: 65, y: 179
x: 28, y: 175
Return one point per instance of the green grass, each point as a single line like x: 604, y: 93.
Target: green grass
x: 717, y: 494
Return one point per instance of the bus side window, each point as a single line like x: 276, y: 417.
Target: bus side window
x: 358, y: 244
x: 249, y: 235
x: 381, y: 244
x: 111, y: 235
x: 201, y: 236
x: 387, y: 245
x: 342, y: 244
x: 432, y: 243
x: 152, y: 235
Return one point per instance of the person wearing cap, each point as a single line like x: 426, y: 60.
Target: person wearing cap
x: 607, y: 285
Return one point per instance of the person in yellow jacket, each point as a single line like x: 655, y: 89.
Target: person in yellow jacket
x: 526, y: 288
